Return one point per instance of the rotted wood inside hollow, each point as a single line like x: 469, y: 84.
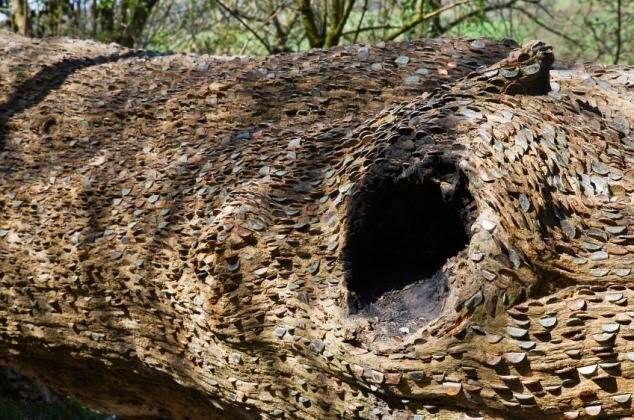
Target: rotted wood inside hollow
x: 404, y: 225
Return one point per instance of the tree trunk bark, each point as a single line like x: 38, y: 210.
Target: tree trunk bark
x: 20, y: 21
x: 424, y: 228
x: 133, y: 22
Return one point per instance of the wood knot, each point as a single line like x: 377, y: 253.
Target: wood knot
x: 526, y: 71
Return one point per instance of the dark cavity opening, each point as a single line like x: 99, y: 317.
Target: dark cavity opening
x: 403, y: 226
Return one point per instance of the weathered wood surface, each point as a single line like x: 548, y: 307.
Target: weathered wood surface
x: 189, y: 236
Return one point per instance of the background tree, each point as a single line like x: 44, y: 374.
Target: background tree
x: 591, y: 30
x: 121, y: 21
x: 20, y: 21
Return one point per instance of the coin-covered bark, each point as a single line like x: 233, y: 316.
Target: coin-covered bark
x: 405, y: 229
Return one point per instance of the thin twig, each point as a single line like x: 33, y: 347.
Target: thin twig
x: 369, y: 28
x: 619, y: 22
x: 544, y: 9
x: 246, y: 26
x: 356, y: 33
x: 424, y: 18
x: 468, y: 16
x: 546, y: 27
x: 601, y: 47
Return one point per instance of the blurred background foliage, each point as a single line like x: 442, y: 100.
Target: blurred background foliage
x: 580, y: 30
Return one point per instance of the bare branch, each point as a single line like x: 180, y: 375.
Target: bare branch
x: 246, y: 26
x: 422, y: 18
x: 601, y: 47
x: 358, y: 30
x: 619, y: 23
x: 370, y: 28
x: 470, y: 15
x: 550, y: 29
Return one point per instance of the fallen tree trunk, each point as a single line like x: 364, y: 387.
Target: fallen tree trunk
x: 355, y: 232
